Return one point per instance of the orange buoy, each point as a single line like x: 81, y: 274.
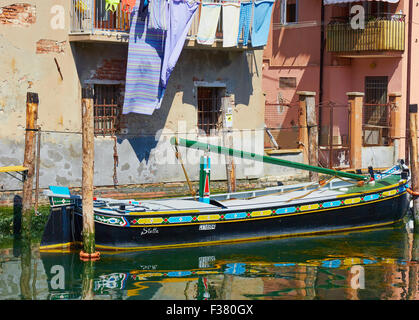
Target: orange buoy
x: 89, y: 256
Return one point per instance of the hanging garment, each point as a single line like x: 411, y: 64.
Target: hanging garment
x: 127, y: 5
x: 143, y: 92
x: 181, y: 14
x: 82, y: 6
x: 261, y: 22
x: 231, y: 14
x: 210, y: 13
x: 159, y: 11
x: 244, y: 21
x: 112, y: 5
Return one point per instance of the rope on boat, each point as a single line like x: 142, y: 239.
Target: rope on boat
x: 179, y: 157
x: 321, y: 185
x: 413, y: 193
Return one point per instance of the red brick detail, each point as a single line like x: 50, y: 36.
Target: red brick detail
x: 50, y: 46
x: 112, y: 69
x: 22, y: 14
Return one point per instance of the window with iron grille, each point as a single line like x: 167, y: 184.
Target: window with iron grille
x: 376, y: 112
x: 209, y: 109
x: 107, y: 109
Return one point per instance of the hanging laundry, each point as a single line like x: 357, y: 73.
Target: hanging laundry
x: 112, y: 5
x: 210, y: 13
x: 181, y: 14
x: 231, y: 14
x: 82, y: 6
x: 127, y: 5
x: 143, y: 92
x: 159, y: 10
x: 261, y: 22
x: 244, y: 21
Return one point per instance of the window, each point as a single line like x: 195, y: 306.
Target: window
x: 107, y: 108
x: 289, y: 11
x: 287, y: 82
x: 209, y: 109
x: 376, y: 112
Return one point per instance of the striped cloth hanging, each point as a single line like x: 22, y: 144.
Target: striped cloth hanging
x: 143, y: 92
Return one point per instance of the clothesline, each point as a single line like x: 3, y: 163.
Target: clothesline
x: 157, y: 36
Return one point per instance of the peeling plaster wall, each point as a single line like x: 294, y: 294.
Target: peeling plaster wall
x: 145, y: 154
x: 28, y: 65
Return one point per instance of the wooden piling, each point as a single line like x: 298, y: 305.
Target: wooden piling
x: 87, y: 173
x: 228, y: 143
x: 38, y: 164
x: 309, y: 130
x: 414, y: 167
x: 32, y: 102
x: 356, y: 101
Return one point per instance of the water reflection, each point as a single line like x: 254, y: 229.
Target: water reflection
x: 375, y: 264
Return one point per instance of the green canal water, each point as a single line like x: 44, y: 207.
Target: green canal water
x: 375, y: 264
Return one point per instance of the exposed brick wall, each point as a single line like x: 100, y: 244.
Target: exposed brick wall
x: 50, y: 46
x: 22, y: 14
x: 112, y: 69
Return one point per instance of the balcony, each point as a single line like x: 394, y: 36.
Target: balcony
x: 90, y: 22
x: 383, y: 35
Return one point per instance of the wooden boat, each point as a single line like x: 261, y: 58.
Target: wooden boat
x: 340, y: 204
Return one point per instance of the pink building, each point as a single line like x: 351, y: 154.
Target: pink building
x: 331, y: 48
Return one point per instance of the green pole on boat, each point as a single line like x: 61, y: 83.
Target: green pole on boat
x: 204, y: 179
x: 266, y: 159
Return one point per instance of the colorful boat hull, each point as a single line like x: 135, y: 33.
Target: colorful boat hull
x: 181, y: 228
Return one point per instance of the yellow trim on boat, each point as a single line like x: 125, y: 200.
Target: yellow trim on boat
x: 371, y: 191
x: 13, y: 169
x: 269, y: 217
x: 263, y: 213
x: 208, y: 217
x: 147, y: 221
x: 310, y: 207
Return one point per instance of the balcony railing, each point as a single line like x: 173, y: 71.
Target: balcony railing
x: 90, y: 17
x: 381, y: 33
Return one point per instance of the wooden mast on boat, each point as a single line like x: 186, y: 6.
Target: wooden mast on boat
x: 266, y: 159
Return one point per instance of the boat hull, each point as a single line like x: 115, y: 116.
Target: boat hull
x: 158, y: 230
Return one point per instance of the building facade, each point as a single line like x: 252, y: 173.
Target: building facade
x: 336, y: 47
x: 56, y: 48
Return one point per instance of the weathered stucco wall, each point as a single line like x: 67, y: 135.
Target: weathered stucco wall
x: 37, y: 34
x: 33, y: 34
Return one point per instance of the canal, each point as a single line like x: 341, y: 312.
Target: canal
x: 377, y: 264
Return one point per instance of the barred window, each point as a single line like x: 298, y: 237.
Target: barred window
x: 209, y: 108
x: 376, y: 112
x: 107, y: 109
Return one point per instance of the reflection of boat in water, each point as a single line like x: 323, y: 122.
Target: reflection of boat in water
x: 335, y: 205
x: 203, y: 273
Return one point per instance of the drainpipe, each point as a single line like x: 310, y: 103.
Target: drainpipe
x: 321, y: 62
x: 409, y: 62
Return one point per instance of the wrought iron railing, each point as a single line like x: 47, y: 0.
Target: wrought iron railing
x: 376, y: 124
x: 385, y: 32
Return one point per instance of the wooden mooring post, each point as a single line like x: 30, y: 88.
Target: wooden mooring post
x: 228, y: 143
x: 89, y: 251
x: 309, y: 133
x: 32, y: 101
x: 414, y: 167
